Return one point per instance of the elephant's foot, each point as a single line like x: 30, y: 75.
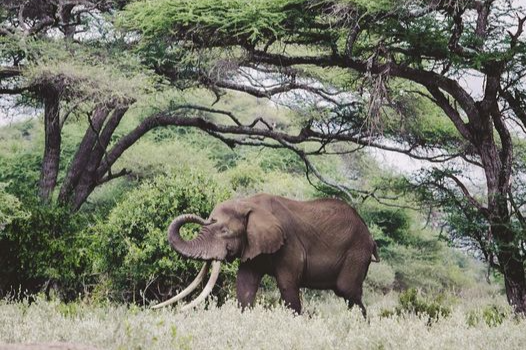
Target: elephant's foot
x: 291, y: 298
x: 357, y: 302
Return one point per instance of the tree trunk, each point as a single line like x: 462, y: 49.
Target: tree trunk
x: 497, y: 167
x: 81, y: 194
x: 514, y: 278
x: 92, y: 174
x: 82, y: 156
x: 51, y: 160
x: 65, y: 16
x: 511, y: 264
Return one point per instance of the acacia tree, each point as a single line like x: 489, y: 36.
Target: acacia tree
x: 395, y: 53
x: 68, y: 56
x: 28, y: 30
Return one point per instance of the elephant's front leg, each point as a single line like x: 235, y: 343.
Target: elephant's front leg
x: 290, y: 291
x: 247, y: 284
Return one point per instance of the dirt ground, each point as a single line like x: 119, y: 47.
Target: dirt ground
x: 46, y: 346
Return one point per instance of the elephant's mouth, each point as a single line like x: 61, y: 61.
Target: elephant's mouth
x: 216, y: 266
x: 196, y: 248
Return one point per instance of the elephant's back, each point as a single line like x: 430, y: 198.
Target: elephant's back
x: 334, y: 221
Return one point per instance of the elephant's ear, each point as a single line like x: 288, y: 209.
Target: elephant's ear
x: 264, y: 234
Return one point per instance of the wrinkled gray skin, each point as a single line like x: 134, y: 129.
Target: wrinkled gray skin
x: 320, y: 244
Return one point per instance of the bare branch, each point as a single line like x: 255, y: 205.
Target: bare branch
x: 451, y: 112
x: 483, y: 210
x: 520, y: 28
x: 110, y: 176
x: 10, y: 72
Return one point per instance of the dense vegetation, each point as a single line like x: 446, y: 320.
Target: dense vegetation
x: 115, y: 248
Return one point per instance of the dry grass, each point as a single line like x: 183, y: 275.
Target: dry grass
x: 326, y: 324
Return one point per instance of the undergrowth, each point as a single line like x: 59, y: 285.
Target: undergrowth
x: 325, y: 324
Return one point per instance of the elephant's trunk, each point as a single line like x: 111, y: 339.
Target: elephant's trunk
x: 197, y: 248
x: 194, y: 248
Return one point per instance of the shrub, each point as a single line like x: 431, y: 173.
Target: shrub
x: 133, y: 254
x: 380, y: 277
x: 45, y: 249
x: 492, y: 315
x: 394, y: 223
x: 412, y: 302
x: 245, y: 176
x: 10, y: 208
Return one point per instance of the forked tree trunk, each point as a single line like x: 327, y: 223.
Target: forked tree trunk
x: 88, y: 168
x: 82, y: 156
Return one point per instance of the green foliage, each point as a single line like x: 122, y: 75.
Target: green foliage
x: 492, y: 315
x: 10, y: 208
x: 394, y: 224
x: 131, y: 246
x: 412, y: 302
x: 44, y: 248
x: 417, y: 120
x: 381, y: 277
x: 417, y: 257
x: 85, y: 74
x: 250, y: 21
x: 20, y: 169
x: 436, y: 188
x: 373, y: 6
x: 245, y: 176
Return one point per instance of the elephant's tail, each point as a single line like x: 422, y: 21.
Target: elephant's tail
x: 375, y: 253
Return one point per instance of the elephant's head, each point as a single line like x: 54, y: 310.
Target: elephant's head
x: 234, y: 229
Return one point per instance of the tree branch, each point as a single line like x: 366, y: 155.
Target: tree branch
x: 483, y: 210
x: 451, y: 112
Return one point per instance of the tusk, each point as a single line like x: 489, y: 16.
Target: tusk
x: 187, y: 290
x: 216, y: 266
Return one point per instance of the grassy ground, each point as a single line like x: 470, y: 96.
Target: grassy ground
x: 326, y: 324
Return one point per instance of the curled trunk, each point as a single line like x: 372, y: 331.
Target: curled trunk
x: 191, y: 249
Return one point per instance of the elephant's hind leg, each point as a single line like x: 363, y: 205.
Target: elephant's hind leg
x: 350, y: 281
x: 247, y: 284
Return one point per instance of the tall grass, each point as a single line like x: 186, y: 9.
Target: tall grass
x: 325, y: 324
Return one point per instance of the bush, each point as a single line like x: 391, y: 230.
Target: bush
x: 380, y: 277
x: 394, y: 223
x: 492, y: 315
x: 133, y: 255
x: 245, y: 176
x: 45, y: 249
x: 412, y: 302
x: 10, y: 208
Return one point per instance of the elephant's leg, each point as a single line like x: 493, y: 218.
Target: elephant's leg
x: 350, y: 281
x: 351, y: 301
x: 247, y: 284
x: 290, y: 291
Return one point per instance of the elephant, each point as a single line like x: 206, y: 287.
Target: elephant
x: 319, y: 244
